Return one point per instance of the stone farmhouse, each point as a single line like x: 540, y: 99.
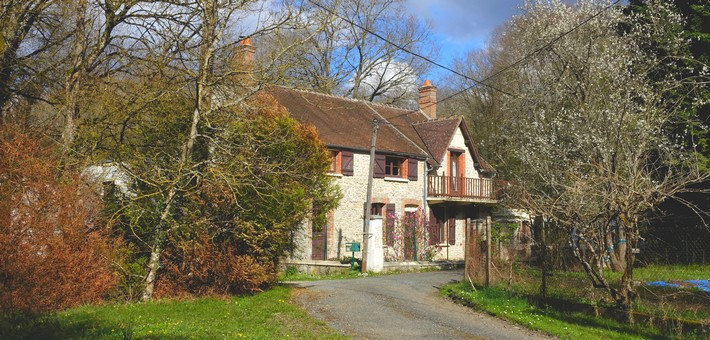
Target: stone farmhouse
x: 421, y: 163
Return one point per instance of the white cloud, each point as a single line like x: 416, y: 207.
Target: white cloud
x: 463, y: 22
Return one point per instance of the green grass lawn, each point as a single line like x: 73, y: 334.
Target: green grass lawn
x: 266, y: 315
x: 672, y: 272
x: 560, y: 324
x: 685, y: 304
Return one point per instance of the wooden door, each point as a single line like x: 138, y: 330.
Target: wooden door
x: 318, y: 240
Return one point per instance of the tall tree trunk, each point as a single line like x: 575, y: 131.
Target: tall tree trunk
x: 543, y: 254
x: 611, y: 251
x: 210, y: 36
x: 159, y: 239
x: 621, y: 244
x: 157, y: 248
x: 628, y: 292
x: 71, y: 113
x: 70, y: 109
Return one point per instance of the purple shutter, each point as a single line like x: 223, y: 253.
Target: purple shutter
x: 346, y: 167
x: 452, y: 231
x: 433, y: 230
x: 379, y: 166
x: 413, y: 170
x: 389, y: 225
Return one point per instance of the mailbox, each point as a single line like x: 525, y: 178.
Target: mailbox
x: 352, y: 247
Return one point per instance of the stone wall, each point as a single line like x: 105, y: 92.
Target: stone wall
x: 346, y: 223
x: 349, y: 216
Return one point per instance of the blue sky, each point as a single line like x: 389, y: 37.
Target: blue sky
x: 462, y: 25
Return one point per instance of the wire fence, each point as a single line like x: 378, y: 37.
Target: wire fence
x: 671, y: 272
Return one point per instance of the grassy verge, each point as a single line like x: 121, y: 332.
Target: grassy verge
x: 560, y: 324
x: 683, y: 304
x: 267, y: 315
x: 294, y: 275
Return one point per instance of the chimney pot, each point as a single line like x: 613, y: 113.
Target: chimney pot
x: 427, y: 99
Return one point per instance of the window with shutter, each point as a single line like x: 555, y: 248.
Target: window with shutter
x: 412, y: 169
x: 379, y: 166
x: 377, y: 209
x: 346, y: 163
x: 393, y: 166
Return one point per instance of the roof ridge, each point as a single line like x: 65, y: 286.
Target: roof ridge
x: 352, y: 99
x: 396, y: 129
x: 455, y: 117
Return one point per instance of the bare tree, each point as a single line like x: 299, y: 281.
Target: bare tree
x: 28, y: 30
x: 344, y: 58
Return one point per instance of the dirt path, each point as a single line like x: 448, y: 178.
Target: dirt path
x: 405, y: 306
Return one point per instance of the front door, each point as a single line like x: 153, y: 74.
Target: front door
x: 455, y: 172
x: 318, y: 240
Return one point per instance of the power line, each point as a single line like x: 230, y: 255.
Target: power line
x: 499, y: 72
x: 527, y: 56
x: 402, y: 48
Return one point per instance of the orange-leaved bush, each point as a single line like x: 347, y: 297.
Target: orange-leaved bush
x: 52, y: 253
x: 205, y: 266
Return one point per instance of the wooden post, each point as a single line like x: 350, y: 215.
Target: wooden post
x: 543, y: 253
x: 488, y: 250
x: 368, y: 209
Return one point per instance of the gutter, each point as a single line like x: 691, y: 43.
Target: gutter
x: 426, y: 180
x: 379, y: 151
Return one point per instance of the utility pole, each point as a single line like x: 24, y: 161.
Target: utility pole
x: 488, y: 251
x: 368, y: 201
x: 543, y: 287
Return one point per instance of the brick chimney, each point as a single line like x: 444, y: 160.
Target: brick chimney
x: 243, y: 63
x: 427, y: 99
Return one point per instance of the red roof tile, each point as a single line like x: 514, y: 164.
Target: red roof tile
x: 347, y: 123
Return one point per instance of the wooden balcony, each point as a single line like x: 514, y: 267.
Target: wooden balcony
x: 465, y: 189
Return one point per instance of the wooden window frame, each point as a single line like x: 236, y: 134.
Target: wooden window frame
x: 377, y: 207
x: 390, y: 166
x: 336, y: 163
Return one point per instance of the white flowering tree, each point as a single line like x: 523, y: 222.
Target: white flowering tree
x: 592, y: 152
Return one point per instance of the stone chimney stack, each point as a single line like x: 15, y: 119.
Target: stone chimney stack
x: 244, y: 61
x: 427, y: 99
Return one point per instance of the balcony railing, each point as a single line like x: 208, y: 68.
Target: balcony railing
x: 461, y: 187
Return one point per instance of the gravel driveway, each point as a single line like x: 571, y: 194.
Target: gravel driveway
x: 404, y: 306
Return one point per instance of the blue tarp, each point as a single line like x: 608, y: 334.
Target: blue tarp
x: 662, y: 284
x: 703, y: 285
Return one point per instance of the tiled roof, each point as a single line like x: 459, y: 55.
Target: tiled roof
x: 344, y: 122
x: 437, y: 135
